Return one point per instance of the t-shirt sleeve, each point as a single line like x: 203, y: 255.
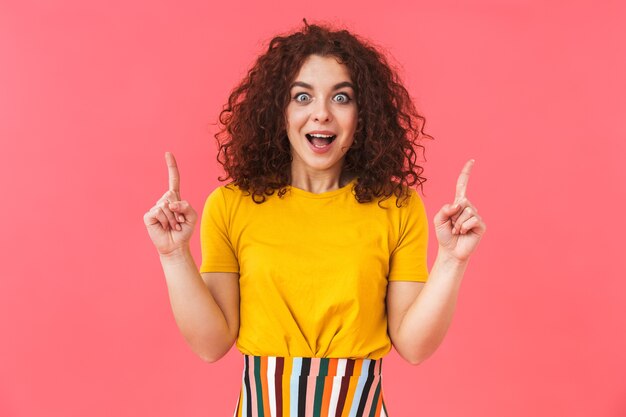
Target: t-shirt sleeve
x: 408, y: 259
x: 218, y: 254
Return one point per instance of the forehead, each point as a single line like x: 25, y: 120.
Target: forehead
x: 322, y: 70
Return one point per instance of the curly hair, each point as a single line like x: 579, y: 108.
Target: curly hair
x: 253, y: 144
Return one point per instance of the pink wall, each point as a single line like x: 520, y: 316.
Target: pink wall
x: 92, y: 95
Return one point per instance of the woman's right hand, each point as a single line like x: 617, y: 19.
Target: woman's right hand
x: 171, y: 221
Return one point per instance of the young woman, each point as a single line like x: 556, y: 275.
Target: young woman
x: 314, y: 254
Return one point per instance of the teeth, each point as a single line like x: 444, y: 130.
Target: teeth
x: 310, y: 137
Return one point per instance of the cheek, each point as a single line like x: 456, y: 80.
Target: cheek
x: 295, y: 116
x: 351, y: 119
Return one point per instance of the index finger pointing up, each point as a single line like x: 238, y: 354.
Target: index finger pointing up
x: 461, y: 183
x: 172, y: 168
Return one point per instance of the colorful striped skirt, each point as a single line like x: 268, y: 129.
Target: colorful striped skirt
x: 310, y: 387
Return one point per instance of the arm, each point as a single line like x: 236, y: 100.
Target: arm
x: 419, y: 314
x: 207, y: 313
x: 205, y: 306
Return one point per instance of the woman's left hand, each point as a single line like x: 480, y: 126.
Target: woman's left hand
x: 458, y: 226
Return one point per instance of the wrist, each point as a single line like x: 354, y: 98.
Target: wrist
x: 176, y: 255
x: 445, y: 257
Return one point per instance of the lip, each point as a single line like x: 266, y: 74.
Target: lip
x: 320, y: 150
x: 321, y: 132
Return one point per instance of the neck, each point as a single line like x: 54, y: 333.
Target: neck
x: 320, y: 182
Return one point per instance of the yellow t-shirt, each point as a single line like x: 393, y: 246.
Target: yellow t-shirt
x: 313, y: 268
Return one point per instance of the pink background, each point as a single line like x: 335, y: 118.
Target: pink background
x: 92, y: 95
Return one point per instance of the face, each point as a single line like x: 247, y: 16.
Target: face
x: 322, y: 104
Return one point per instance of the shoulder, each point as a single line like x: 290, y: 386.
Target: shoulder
x: 233, y: 199
x: 408, y: 209
x: 222, y: 197
x: 227, y: 191
x: 414, y: 203
x: 413, y: 197
x: 402, y: 200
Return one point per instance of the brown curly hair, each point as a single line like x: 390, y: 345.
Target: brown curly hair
x: 253, y: 144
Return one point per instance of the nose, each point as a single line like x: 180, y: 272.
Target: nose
x: 321, y: 112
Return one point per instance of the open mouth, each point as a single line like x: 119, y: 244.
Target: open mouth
x: 320, y: 141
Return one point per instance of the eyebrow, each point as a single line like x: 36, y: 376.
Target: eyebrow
x: 310, y: 87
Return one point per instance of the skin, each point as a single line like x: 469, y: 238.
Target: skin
x: 205, y: 306
x: 419, y: 314
x: 320, y: 106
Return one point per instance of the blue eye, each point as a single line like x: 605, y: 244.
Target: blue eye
x: 346, y: 98
x: 299, y: 95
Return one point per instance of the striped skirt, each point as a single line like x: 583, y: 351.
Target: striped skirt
x: 310, y: 387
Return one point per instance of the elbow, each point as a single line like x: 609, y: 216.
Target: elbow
x: 211, y: 357
x: 423, y: 356
x: 415, y: 350
x: 215, y: 354
x: 414, y: 358
x: 415, y: 361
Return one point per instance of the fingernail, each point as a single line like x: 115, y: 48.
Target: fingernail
x: 173, y: 205
x: 178, y: 227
